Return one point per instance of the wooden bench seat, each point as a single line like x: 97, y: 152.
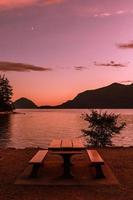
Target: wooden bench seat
x: 37, y: 162
x: 97, y: 162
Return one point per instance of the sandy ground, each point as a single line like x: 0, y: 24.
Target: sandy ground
x: 13, y: 162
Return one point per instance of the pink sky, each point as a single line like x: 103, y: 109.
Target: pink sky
x: 87, y: 44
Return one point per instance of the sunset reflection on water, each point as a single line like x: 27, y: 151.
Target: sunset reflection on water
x: 36, y: 128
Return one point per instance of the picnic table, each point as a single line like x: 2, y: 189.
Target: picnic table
x: 66, y: 148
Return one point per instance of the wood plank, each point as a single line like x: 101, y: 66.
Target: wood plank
x: 66, y: 152
x: 77, y: 143
x: 66, y: 143
x: 55, y: 144
x: 39, y: 157
x: 95, y: 157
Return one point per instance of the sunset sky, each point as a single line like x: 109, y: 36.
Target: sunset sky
x: 68, y: 46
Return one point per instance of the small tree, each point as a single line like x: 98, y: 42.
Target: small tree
x: 102, y: 127
x: 5, y: 94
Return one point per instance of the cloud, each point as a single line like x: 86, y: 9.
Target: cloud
x: 49, y: 2
x: 104, y: 14
x: 120, y: 12
x: 80, y: 68
x: 20, y: 67
x: 115, y: 13
x: 97, y: 10
x: 127, y: 81
x: 11, y: 4
x: 128, y: 45
x: 110, y: 64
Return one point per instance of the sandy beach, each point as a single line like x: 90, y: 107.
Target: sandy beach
x: 14, y: 161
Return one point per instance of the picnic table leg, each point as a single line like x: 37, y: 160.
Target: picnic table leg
x: 99, y: 172
x: 34, y: 171
x: 67, y: 166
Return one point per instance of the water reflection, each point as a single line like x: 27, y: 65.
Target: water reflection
x: 5, y: 125
x: 36, y: 128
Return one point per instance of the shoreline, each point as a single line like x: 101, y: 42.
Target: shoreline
x: 37, y: 148
x: 6, y: 112
x: 113, y: 147
x: 10, y: 112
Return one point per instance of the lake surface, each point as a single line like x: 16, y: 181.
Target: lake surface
x: 36, y: 127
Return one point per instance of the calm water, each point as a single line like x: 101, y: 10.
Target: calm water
x: 36, y: 128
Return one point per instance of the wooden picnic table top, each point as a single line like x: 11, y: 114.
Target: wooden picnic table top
x: 66, y: 144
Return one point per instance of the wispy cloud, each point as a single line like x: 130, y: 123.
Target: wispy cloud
x: 97, y: 10
x: 120, y: 12
x: 110, y: 64
x: 90, y: 9
x: 114, y: 13
x: 128, y: 45
x: 20, y: 67
x: 10, y: 4
x: 102, y: 14
x: 49, y: 2
x: 80, y: 68
x: 106, y: 14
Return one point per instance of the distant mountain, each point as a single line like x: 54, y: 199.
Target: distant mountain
x: 24, y: 103
x: 113, y: 96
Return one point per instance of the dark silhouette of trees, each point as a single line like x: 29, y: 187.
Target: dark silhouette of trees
x: 5, y: 94
x: 102, y: 127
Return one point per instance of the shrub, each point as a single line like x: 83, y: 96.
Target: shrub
x: 102, y: 127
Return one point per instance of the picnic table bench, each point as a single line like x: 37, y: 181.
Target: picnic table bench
x: 37, y: 162
x: 97, y: 162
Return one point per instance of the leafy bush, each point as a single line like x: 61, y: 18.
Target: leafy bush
x: 102, y: 127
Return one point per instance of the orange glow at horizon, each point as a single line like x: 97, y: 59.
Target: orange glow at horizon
x: 41, y: 100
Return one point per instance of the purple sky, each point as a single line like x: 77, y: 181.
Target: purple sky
x: 87, y: 44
